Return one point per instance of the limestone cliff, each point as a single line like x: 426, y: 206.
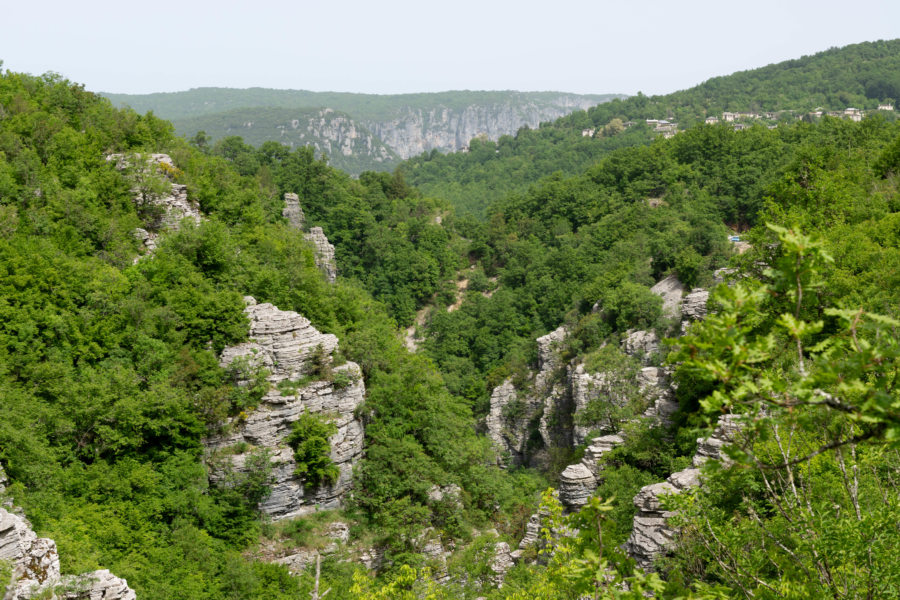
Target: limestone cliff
x: 36, y: 572
x: 411, y: 131
x: 287, y: 346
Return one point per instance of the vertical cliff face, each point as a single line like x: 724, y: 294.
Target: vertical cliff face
x: 412, y: 131
x: 288, y: 347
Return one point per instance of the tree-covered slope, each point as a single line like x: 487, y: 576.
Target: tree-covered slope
x: 367, y: 131
x: 109, y: 374
x: 861, y: 76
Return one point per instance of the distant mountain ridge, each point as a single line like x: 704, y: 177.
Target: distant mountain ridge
x: 358, y: 131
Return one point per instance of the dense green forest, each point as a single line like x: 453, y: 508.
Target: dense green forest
x: 861, y: 76
x: 109, y: 376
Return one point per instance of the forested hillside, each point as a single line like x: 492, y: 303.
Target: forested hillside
x: 719, y: 417
x: 860, y: 76
x: 108, y: 367
x: 357, y: 132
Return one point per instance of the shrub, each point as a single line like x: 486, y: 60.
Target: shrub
x: 312, y: 450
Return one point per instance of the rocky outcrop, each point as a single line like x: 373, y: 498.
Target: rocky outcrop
x: 323, y: 249
x: 670, y: 290
x: 286, y: 345
x: 324, y: 253
x: 694, y: 305
x: 576, y: 484
x: 584, y: 388
x: 501, y: 563
x: 293, y: 212
x: 36, y: 572
x: 651, y: 534
x: 164, y: 202
x: 513, y: 416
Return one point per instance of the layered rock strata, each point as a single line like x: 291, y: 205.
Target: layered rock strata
x: 293, y: 212
x: 36, y: 573
x: 172, y: 207
x: 323, y: 249
x: 286, y: 345
x: 513, y: 415
x: 324, y: 253
x: 651, y: 534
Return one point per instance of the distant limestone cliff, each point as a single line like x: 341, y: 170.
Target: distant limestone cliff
x: 358, y: 132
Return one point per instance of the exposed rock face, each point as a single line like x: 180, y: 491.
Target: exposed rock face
x: 585, y: 387
x: 694, y: 305
x: 512, y: 415
x: 670, y: 290
x: 35, y: 566
x: 576, y: 484
x: 323, y: 249
x: 599, y: 446
x: 508, y: 420
x: 99, y: 585
x: 651, y: 535
x: 642, y: 344
x: 284, y: 343
x: 502, y: 562
x: 173, y: 206
x: 292, y: 211
x: 324, y: 253
x: 414, y: 131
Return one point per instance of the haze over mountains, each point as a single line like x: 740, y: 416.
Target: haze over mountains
x: 358, y: 131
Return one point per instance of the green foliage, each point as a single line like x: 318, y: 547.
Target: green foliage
x: 859, y: 75
x: 312, y: 450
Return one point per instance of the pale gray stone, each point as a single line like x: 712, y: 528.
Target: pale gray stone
x: 283, y: 342
x: 324, y: 253
x: 293, y: 212
x: 576, y: 484
x: 670, y: 290
x: 35, y: 568
x: 642, y: 344
x: 693, y: 307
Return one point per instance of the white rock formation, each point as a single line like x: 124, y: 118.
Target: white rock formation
x: 324, y: 253
x: 35, y: 568
x: 641, y: 344
x: 576, y: 484
x: 651, y: 534
x: 670, y: 290
x: 293, y: 212
x: 694, y: 305
x: 174, y: 206
x: 284, y: 342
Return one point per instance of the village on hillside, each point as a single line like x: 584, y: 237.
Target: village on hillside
x: 742, y: 120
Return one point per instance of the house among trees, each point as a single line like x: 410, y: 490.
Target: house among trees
x: 885, y: 107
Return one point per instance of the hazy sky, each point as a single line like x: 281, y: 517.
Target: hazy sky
x: 396, y: 46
